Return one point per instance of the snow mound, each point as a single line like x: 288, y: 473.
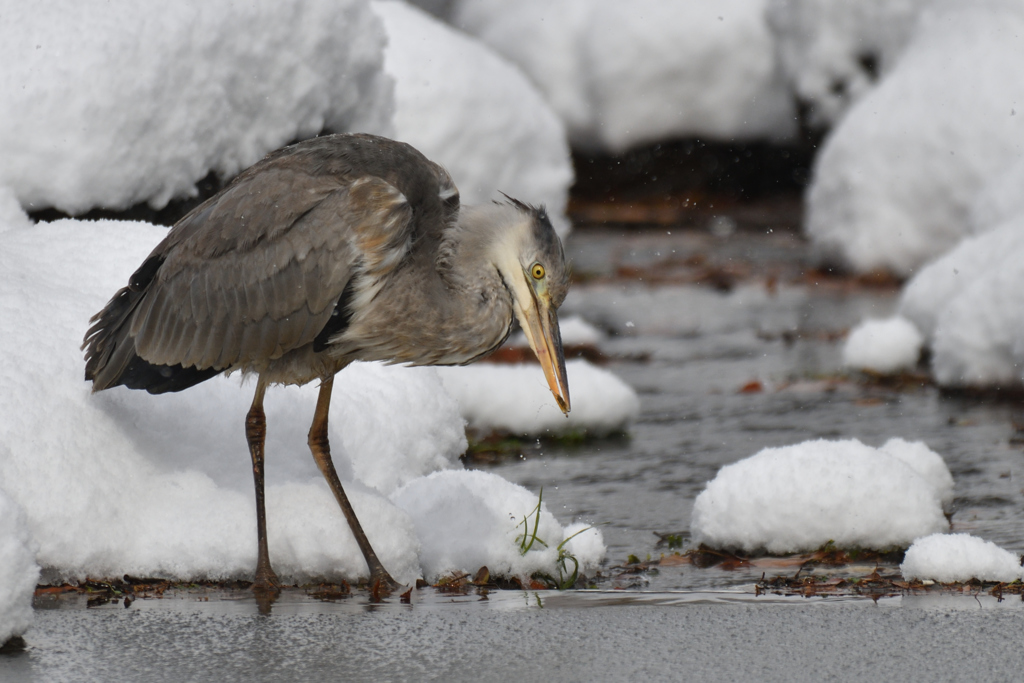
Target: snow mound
x: 833, y: 52
x: 927, y: 463
x: 959, y: 557
x: 626, y: 74
x: 470, y: 519
x: 970, y: 304
x: 175, y: 468
x: 894, y: 183
x: 797, y: 498
x: 516, y: 399
x: 18, y: 570
x: 114, y: 103
x: 1000, y: 200
x: 474, y: 113
x: 883, y: 346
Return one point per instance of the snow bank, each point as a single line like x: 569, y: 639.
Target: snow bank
x: 625, y: 74
x: 833, y: 52
x: 959, y: 557
x: 18, y: 570
x: 883, y: 346
x: 797, y: 498
x: 970, y: 305
x: 470, y: 519
x: 894, y: 183
x: 474, y: 113
x: 125, y: 482
x: 1000, y: 200
x: 114, y: 103
x: 516, y: 399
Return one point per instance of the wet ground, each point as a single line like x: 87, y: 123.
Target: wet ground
x: 733, y: 342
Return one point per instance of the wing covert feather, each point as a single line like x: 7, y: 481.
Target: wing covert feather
x: 212, y: 306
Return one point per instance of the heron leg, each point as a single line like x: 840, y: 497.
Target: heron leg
x: 321, y: 448
x: 256, y: 434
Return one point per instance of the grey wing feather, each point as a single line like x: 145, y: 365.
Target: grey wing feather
x: 273, y: 292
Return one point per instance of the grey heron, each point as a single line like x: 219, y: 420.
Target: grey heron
x: 332, y: 250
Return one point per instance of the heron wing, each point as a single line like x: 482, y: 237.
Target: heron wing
x: 257, y: 271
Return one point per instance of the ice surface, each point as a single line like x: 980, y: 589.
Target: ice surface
x: 834, y: 52
x: 959, y: 557
x: 625, y: 74
x: 797, y: 498
x: 894, y: 183
x: 471, y: 519
x: 474, y: 113
x: 114, y: 103
x: 516, y: 399
x: 18, y: 570
x: 883, y: 346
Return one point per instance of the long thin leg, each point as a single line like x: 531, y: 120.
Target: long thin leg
x: 321, y: 449
x: 256, y: 434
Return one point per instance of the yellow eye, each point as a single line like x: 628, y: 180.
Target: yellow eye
x: 537, y: 271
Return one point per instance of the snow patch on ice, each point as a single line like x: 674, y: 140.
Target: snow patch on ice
x: 470, y: 519
x: 18, y: 570
x: 893, y: 185
x: 474, y: 113
x: 959, y: 557
x: 883, y: 346
x: 516, y: 399
x: 625, y: 74
x: 114, y: 103
x: 797, y: 498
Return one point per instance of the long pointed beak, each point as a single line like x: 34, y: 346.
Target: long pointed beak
x: 540, y: 324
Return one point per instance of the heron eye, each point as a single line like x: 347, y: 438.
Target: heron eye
x: 537, y: 271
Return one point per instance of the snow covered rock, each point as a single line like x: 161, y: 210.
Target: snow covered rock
x: 474, y: 113
x: 114, y: 103
x: 624, y: 74
x: 883, y: 346
x: 959, y: 557
x: 834, y: 52
x: 18, y: 570
x: 471, y: 519
x: 894, y: 183
x: 516, y: 399
x: 125, y: 482
x: 797, y: 498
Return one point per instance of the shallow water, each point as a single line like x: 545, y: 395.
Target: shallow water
x: 756, y: 314
x: 703, y: 346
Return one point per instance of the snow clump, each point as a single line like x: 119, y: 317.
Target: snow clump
x: 114, y: 103
x: 970, y: 306
x: 626, y: 74
x: 959, y: 557
x: 18, y: 570
x: 516, y: 399
x: 894, y: 183
x: 470, y: 519
x: 797, y: 498
x: 883, y: 346
x: 474, y: 113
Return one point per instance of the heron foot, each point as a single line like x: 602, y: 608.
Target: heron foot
x: 265, y: 579
x: 381, y: 583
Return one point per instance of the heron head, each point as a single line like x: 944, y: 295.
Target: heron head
x: 529, y: 257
